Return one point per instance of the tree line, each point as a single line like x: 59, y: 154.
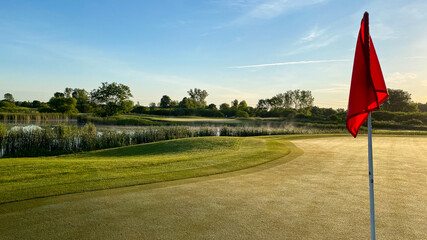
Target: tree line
x: 114, y: 98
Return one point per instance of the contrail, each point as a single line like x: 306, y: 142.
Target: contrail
x: 290, y: 63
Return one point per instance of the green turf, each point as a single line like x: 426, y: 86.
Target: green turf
x: 189, y: 119
x: 27, y: 178
x: 320, y: 194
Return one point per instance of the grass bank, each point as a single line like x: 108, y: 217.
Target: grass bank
x: 28, y: 178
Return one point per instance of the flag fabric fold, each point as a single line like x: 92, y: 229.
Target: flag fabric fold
x: 368, y: 89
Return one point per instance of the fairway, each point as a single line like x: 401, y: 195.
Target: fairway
x: 321, y: 194
x: 28, y: 178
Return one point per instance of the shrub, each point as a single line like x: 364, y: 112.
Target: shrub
x: 242, y: 114
x: 334, y: 118
x: 414, y: 122
x: 383, y: 116
x: 2, y: 134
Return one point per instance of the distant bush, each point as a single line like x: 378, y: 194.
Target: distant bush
x: 334, y: 118
x: 414, y: 122
x: 242, y: 114
x: 302, y: 116
x: 278, y: 112
x: 422, y: 107
x: 140, y: 110
x: 7, y: 104
x: 383, y: 116
x: 401, y: 117
x: 405, y: 125
x: 201, y: 112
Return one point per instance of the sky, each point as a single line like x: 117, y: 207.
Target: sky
x: 234, y: 49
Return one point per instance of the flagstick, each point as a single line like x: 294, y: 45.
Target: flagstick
x: 371, y: 178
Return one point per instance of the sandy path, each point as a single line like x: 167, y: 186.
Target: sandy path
x: 322, y: 194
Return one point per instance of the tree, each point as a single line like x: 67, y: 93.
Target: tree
x: 422, y: 107
x: 306, y: 99
x: 189, y: 103
x: 126, y: 106
x: 6, y: 105
x: 174, y: 104
x: 44, y: 108
x: 58, y: 94
x: 26, y: 104
x: 82, y: 98
x: 36, y: 104
x: 263, y: 104
x: 235, y: 104
x: 297, y: 99
x: 275, y: 102
x: 165, y: 101
x: 111, y: 97
x: 224, y: 106
x: 9, y: 97
x: 243, y: 106
x: 399, y: 101
x: 199, y: 95
x: 242, y: 114
x: 183, y: 103
x: 212, y: 106
x: 152, y: 106
x: 288, y: 99
x: 63, y: 105
x: 67, y: 92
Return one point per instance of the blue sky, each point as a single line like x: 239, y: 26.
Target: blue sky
x: 232, y: 48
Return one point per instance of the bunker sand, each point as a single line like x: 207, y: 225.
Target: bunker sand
x: 321, y: 194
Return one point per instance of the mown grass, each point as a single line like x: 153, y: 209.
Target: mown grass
x: 323, y: 194
x: 192, y: 119
x: 28, y: 178
x: 122, y: 120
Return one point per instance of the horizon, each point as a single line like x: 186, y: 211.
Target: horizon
x: 245, y: 50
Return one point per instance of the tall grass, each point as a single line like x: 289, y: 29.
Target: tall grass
x: 262, y: 131
x: 35, y: 117
x: 62, y: 139
x: 47, y: 140
x: 3, y: 132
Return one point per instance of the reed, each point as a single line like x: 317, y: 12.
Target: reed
x: 3, y: 132
x: 35, y: 117
x: 41, y: 141
x: 62, y: 139
x: 263, y: 131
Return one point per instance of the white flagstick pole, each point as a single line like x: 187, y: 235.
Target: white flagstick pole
x: 371, y: 178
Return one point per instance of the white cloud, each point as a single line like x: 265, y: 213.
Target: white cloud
x: 312, y: 34
x: 382, y: 31
x: 398, y: 78
x: 417, y: 57
x: 270, y: 9
x: 334, y: 88
x: 415, y: 10
x: 314, y: 39
x: 290, y: 63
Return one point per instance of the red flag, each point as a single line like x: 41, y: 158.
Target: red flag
x: 368, y: 88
